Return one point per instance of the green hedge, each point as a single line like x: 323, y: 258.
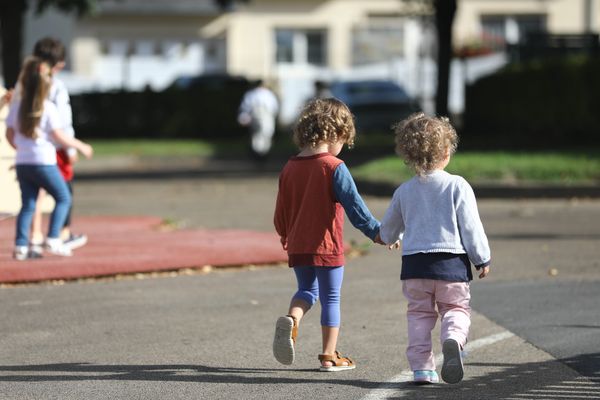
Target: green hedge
x: 543, y: 104
x: 192, y: 113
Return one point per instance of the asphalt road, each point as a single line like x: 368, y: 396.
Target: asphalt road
x: 534, y: 334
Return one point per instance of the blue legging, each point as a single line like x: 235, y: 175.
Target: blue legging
x: 324, y: 283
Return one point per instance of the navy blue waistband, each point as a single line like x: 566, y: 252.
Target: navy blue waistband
x: 439, y: 266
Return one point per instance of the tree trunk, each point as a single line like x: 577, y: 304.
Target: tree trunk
x: 444, y: 17
x: 11, y: 29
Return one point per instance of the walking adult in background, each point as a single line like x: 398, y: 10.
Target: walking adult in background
x: 258, y: 111
x: 33, y: 128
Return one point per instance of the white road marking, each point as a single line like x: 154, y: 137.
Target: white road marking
x: 390, y: 388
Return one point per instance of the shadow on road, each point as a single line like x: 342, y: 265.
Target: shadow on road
x: 167, y: 373
x: 515, y: 381
x: 523, y: 381
x: 544, y: 236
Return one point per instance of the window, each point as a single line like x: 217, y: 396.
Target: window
x: 285, y: 46
x: 300, y: 46
x: 381, y: 38
x: 512, y: 29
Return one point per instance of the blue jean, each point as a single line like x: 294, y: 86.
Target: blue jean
x: 31, y: 179
x: 324, y: 283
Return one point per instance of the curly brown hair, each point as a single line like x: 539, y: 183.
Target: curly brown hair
x: 423, y: 141
x: 324, y: 121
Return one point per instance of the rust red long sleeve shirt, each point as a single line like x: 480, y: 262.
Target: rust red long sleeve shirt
x: 313, y: 194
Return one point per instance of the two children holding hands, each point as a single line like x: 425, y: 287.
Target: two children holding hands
x: 434, y: 214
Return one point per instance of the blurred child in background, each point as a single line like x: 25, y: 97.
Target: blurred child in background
x: 52, y: 51
x: 34, y: 129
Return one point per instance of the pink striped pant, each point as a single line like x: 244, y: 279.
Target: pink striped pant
x: 452, y: 299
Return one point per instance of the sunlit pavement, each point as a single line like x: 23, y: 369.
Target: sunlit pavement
x: 209, y: 335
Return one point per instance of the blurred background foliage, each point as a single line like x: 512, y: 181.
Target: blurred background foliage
x: 196, y: 112
x: 541, y: 104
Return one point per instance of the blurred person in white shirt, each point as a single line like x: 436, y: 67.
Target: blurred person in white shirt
x: 53, y: 52
x: 258, y: 111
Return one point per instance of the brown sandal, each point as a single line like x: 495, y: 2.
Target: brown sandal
x: 294, y: 328
x: 284, y: 343
x: 338, y: 362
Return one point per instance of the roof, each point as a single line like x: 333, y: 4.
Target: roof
x: 158, y: 7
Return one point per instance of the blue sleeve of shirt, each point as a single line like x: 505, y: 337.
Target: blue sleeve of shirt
x: 356, y: 210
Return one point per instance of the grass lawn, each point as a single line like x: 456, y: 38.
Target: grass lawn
x: 569, y: 167
x: 157, y: 148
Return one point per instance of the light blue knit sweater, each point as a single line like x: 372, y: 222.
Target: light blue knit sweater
x: 436, y: 213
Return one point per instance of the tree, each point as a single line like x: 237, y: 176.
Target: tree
x: 444, y: 19
x: 443, y: 12
x: 227, y: 5
x: 12, y: 15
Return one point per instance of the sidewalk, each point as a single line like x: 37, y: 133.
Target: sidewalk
x: 131, y: 244
x: 186, y: 337
x: 131, y: 167
x: 125, y: 245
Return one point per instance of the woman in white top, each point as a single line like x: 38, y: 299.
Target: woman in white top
x: 34, y: 130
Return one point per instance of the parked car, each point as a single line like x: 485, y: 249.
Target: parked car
x: 376, y: 104
x: 215, y: 81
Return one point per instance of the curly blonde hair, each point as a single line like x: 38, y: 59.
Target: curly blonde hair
x: 423, y: 141
x: 324, y: 121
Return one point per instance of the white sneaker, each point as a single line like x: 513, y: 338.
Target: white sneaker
x: 76, y: 241
x: 36, y: 249
x: 57, y: 247
x: 20, y: 253
x: 452, y: 369
x: 285, y: 339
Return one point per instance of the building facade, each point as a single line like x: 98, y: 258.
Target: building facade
x: 135, y: 44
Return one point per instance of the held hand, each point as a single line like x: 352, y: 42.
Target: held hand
x: 7, y: 97
x: 484, y: 272
x: 87, y: 150
x: 244, y: 119
x: 395, y: 245
x: 378, y: 240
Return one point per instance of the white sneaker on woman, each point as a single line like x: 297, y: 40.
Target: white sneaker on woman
x: 20, y: 253
x: 75, y: 241
x: 57, y: 247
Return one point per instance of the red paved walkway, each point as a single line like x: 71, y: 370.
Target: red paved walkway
x: 138, y: 244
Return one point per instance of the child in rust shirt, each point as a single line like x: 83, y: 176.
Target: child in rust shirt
x: 315, y: 188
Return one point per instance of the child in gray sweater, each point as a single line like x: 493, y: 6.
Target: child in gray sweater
x: 435, y: 215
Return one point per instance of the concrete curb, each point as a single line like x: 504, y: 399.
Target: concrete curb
x: 498, y: 191
x: 223, y: 168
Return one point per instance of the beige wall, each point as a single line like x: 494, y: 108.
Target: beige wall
x: 250, y: 35
x: 10, y: 201
x: 91, y: 32
x: 563, y: 16
x: 249, y: 31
